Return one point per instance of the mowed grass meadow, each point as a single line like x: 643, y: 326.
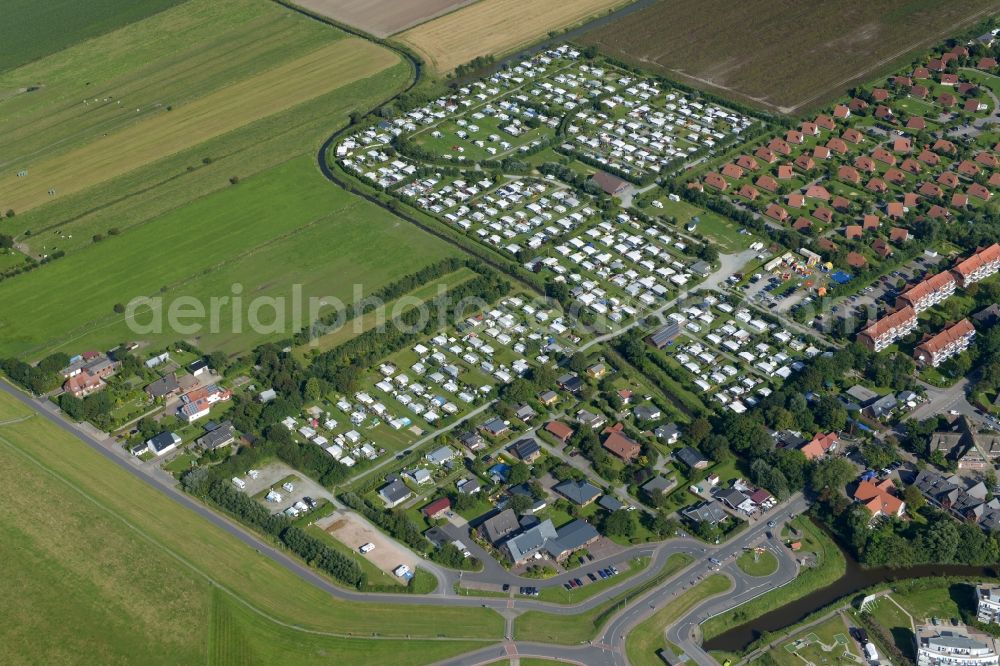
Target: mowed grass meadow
x: 173, y: 123
x: 143, y: 195
x: 32, y: 29
x: 98, y: 563
x: 495, y: 27
x: 173, y: 58
x: 782, y: 55
x: 282, y: 227
x: 85, y: 99
x: 647, y: 638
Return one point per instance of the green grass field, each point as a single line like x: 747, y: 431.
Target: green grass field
x: 102, y: 564
x: 646, y: 638
x: 939, y: 600
x: 283, y: 227
x: 725, y: 233
x: 238, y: 636
x: 891, y: 617
x: 10, y: 259
x: 763, y: 564
x: 33, y: 30
x: 572, y: 629
x: 199, y: 59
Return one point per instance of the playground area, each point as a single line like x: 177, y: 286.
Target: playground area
x: 825, y: 644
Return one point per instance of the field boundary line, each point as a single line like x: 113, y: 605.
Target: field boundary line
x: 97, y: 324
x: 420, y: 22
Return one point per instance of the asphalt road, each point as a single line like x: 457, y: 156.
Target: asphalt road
x: 608, y: 649
x: 744, y: 587
x: 165, y: 483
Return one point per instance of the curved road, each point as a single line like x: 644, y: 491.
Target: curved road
x: 607, y: 649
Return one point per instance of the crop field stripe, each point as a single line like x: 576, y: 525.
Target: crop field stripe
x: 883, y: 63
x: 381, y: 18
x: 494, y: 27
x: 227, y: 644
x: 235, y: 54
x: 189, y: 51
x: 282, y: 227
x: 157, y: 189
x: 283, y: 87
x: 54, y: 124
x: 32, y: 29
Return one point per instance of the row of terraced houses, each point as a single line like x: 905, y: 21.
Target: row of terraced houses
x: 954, y: 339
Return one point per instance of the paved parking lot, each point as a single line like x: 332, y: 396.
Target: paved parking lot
x: 762, y: 294
x: 881, y: 294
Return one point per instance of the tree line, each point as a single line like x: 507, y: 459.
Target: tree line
x: 344, y: 365
x: 340, y: 567
x: 40, y: 378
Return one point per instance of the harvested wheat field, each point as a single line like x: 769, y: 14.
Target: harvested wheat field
x: 381, y: 17
x: 172, y: 130
x: 783, y: 55
x: 495, y: 27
